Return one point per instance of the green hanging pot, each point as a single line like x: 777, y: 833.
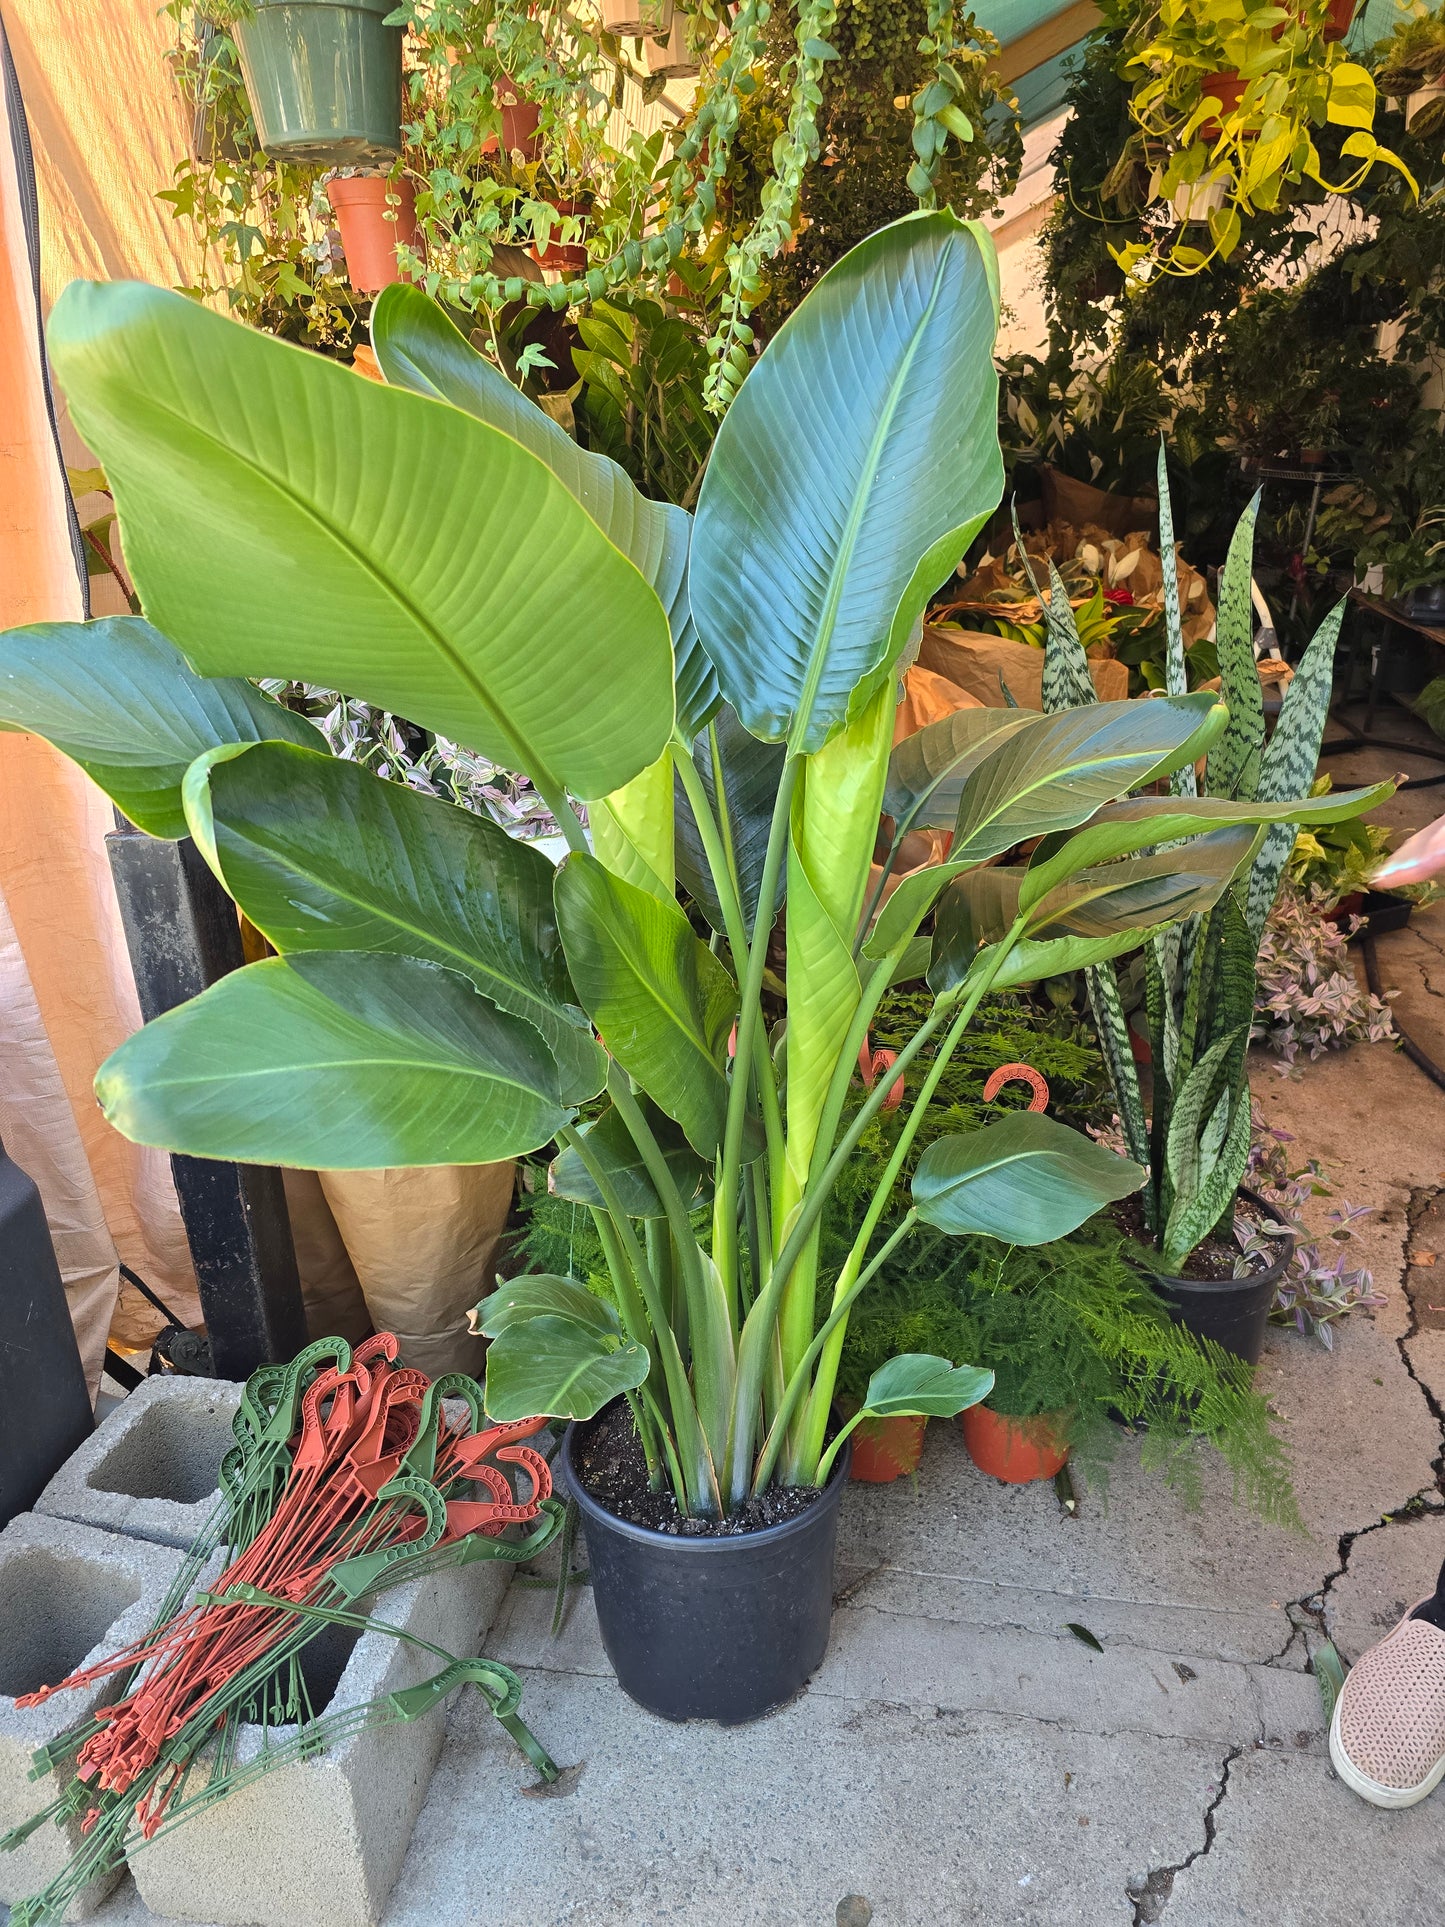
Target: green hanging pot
x: 323, y: 78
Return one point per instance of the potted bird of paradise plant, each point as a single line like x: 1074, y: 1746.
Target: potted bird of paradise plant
x: 439, y: 994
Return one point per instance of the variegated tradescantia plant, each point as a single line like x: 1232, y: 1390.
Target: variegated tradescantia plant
x: 1200, y: 974
x: 439, y: 548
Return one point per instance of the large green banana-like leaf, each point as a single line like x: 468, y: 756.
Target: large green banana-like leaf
x: 1127, y: 896
x: 282, y: 517
x: 916, y: 1382
x: 857, y: 463
x: 633, y: 829
x: 539, y: 1294
x: 1120, y: 828
x: 1287, y: 767
x: 927, y: 771
x: 559, y: 1366
x: 1233, y: 768
x: 419, y: 349
x: 1032, y: 960
x: 1052, y: 774
x: 1026, y: 1180
x: 122, y: 701
x: 662, y: 1002
x: 340, y: 1061
x: 322, y: 855
x: 611, y: 1144
x: 1057, y: 770
x: 750, y: 770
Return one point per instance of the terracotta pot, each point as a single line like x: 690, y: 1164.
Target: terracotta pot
x: 1016, y: 1450
x: 566, y: 257
x: 521, y: 120
x: 884, y: 1449
x: 1228, y: 90
x: 1339, y: 19
x: 368, y: 236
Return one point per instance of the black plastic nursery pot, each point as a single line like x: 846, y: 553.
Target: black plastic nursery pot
x: 712, y: 1628
x: 1232, y: 1311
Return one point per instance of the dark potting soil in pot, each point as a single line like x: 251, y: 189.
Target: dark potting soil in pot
x: 609, y: 1460
x: 1214, y: 1259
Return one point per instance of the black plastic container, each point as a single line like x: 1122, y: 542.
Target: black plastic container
x: 712, y: 1629
x: 44, y: 1401
x: 1232, y: 1311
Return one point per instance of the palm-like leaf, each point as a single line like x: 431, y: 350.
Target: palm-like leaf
x: 122, y: 701
x: 848, y: 477
x: 322, y: 855
x: 420, y: 349
x: 283, y: 517
x: 337, y: 1061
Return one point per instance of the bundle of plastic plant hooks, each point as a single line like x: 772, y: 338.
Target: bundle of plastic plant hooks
x: 350, y: 1474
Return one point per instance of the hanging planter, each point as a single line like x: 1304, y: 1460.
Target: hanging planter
x: 1016, y: 1450
x: 637, y: 19
x: 1339, y: 19
x: 885, y: 1449
x: 521, y: 120
x: 323, y: 78
x: 671, y: 58
x: 1418, y: 104
x: 372, y: 225
x: 1194, y: 201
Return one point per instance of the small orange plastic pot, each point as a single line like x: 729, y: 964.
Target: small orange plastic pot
x: 1016, y: 1450
x: 884, y: 1449
x: 367, y: 235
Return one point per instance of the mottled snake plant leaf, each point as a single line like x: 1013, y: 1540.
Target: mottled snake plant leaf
x: 1066, y: 683
x: 1287, y: 767
x: 122, y: 701
x: 337, y: 1060
x: 1027, y: 1180
x: 283, y: 516
x: 852, y: 471
x: 1233, y: 768
x: 323, y: 855
x: 419, y: 348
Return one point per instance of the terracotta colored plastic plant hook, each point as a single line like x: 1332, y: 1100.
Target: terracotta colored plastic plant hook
x: 1018, y: 1074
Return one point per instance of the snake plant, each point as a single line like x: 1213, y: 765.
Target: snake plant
x: 1200, y: 974
x: 719, y: 691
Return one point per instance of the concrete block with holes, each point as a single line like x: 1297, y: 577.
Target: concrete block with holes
x: 69, y: 1595
x: 324, y: 1839
x: 150, y: 1470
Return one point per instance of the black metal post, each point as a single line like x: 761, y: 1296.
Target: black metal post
x: 182, y: 933
x: 44, y: 1400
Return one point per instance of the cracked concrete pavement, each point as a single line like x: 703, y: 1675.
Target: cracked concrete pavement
x: 962, y: 1757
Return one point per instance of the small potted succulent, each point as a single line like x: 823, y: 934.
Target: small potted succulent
x: 323, y: 78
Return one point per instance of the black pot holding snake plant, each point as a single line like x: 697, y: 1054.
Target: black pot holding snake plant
x: 439, y: 547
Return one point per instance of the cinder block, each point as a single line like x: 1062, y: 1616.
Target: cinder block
x: 150, y: 1470
x: 69, y: 1595
x: 324, y: 1839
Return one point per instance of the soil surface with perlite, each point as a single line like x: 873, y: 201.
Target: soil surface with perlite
x: 608, y: 1457
x: 1212, y: 1259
